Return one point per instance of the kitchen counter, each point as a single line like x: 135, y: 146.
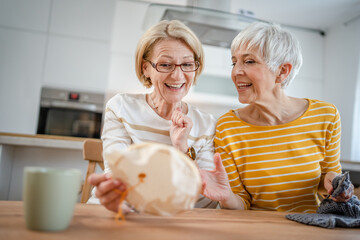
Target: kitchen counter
x: 18, y: 151
x: 39, y: 140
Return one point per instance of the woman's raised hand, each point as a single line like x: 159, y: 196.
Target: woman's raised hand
x: 215, y: 183
x: 108, y: 190
x: 180, y: 128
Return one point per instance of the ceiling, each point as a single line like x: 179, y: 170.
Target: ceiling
x: 317, y: 14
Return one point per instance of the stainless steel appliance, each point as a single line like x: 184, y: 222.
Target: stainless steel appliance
x: 70, y: 113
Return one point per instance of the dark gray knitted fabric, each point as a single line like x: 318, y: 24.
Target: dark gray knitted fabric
x: 330, y: 213
x: 325, y: 220
x: 350, y: 209
x: 339, y: 188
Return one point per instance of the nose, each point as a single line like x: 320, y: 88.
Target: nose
x: 177, y: 73
x: 238, y: 69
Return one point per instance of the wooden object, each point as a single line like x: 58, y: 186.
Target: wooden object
x: 92, y: 152
x: 95, y: 222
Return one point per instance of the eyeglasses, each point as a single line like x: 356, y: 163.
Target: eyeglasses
x: 164, y: 67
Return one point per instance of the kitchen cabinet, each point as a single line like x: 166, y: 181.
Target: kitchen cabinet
x: 25, y: 15
x: 78, y: 49
x: 309, y: 83
x: 58, y: 43
x: 87, y: 19
x: 21, y: 68
x: 75, y: 63
x: 20, y: 150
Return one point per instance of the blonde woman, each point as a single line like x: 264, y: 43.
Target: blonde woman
x: 169, y: 58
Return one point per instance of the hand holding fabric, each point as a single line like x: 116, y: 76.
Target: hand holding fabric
x: 108, y: 190
x: 344, y: 196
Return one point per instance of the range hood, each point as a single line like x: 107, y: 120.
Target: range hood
x: 212, y: 27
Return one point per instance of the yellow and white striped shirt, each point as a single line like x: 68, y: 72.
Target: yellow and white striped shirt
x: 280, y: 167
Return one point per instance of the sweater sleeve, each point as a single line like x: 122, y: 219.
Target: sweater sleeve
x: 331, y: 161
x: 114, y: 135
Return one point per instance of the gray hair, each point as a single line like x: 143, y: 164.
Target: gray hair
x: 276, y: 45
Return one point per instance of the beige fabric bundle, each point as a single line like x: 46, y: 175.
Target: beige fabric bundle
x: 172, y: 182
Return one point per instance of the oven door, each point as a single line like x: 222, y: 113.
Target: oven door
x: 69, y: 122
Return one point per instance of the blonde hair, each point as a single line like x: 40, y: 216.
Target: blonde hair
x: 276, y: 45
x: 166, y: 30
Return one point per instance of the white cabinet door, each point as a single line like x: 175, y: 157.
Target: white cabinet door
x: 21, y: 64
x: 77, y: 64
x: 78, y: 50
x: 25, y: 14
x: 91, y: 19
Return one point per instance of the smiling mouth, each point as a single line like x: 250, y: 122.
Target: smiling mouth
x: 174, y: 86
x: 243, y: 85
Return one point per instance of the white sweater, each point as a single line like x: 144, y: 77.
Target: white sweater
x: 129, y: 120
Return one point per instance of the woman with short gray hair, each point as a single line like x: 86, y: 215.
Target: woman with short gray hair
x: 278, y: 151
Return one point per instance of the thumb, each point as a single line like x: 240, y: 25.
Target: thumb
x: 203, y: 186
x: 218, y: 162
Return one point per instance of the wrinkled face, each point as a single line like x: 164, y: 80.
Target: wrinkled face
x: 173, y: 86
x: 253, y: 79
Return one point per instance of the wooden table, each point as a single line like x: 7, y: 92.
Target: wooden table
x: 95, y: 222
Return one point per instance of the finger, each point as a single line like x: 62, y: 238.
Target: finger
x: 113, y: 206
x: 203, y: 189
x: 218, y: 162
x: 188, y: 122
x: 95, y: 178
x: 330, y: 189
x: 175, y: 115
x: 110, y: 197
x: 349, y: 192
x: 107, y: 186
x: 180, y: 120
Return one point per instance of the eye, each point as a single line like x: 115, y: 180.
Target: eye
x: 165, y: 65
x: 233, y: 64
x: 250, y: 61
x: 189, y: 64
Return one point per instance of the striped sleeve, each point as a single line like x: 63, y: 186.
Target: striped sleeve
x: 332, y: 146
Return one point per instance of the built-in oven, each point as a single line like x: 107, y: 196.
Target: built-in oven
x: 70, y: 113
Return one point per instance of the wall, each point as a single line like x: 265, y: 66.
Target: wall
x: 355, y: 146
x: 62, y: 43
x: 341, y: 71
x: 217, y: 66
x: 216, y: 75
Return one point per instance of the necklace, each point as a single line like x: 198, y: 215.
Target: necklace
x: 153, y: 104
x: 156, y: 108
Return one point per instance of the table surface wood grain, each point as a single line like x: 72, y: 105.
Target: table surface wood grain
x: 95, y: 222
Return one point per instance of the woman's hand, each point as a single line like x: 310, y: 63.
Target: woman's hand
x: 215, y: 184
x: 344, y: 196
x: 180, y: 128
x: 108, y: 190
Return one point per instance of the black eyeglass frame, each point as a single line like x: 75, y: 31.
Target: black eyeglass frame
x: 154, y: 65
